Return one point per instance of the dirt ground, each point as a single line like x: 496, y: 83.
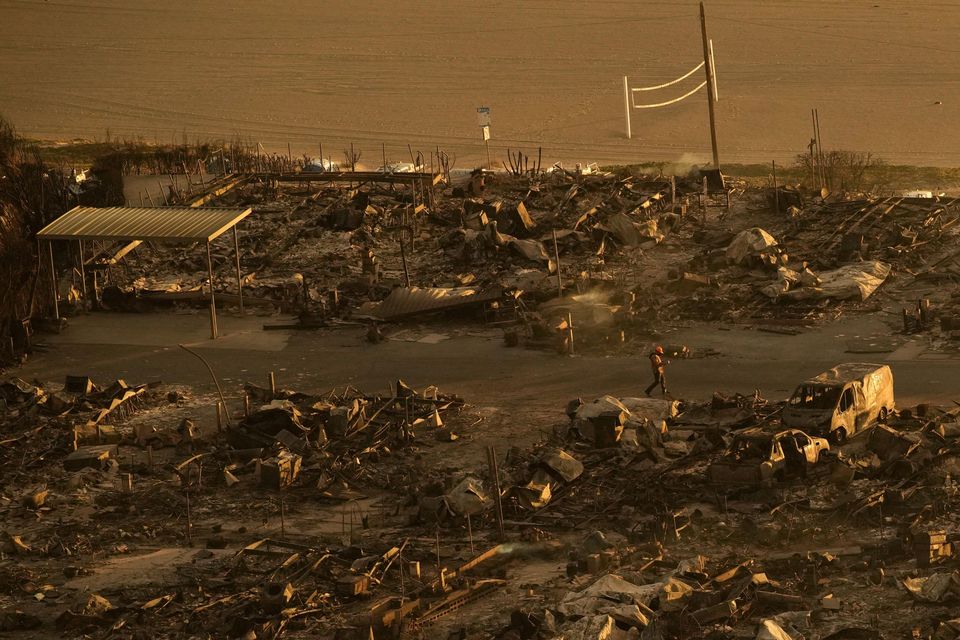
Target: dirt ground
x: 881, y: 73
x: 474, y: 362
x: 515, y: 397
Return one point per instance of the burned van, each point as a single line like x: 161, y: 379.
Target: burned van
x: 758, y: 458
x: 842, y: 401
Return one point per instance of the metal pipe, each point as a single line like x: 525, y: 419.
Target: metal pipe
x: 83, y: 274
x: 236, y: 250
x: 626, y: 105
x: 213, y: 301
x: 53, y: 281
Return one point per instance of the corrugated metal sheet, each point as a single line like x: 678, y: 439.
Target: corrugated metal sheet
x: 414, y: 300
x: 161, y: 224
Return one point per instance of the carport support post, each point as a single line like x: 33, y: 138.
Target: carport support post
x: 236, y: 250
x: 83, y: 274
x: 53, y: 281
x: 213, y: 302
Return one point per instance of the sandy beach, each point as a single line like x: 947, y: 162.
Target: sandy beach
x: 883, y: 75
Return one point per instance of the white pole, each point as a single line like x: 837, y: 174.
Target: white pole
x: 626, y: 104
x: 713, y: 67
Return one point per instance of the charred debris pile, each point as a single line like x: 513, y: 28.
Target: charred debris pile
x: 612, y: 255
x: 348, y: 514
x: 99, y: 474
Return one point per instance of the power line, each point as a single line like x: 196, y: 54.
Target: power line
x: 839, y: 36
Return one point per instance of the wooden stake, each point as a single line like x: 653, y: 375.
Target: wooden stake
x: 470, y: 533
x: 403, y: 258
x: 704, y: 196
x: 556, y: 253
x: 440, y: 579
x: 495, y: 477
x: 776, y: 192
x: 272, y: 381
x: 814, y: 165
x: 189, y: 524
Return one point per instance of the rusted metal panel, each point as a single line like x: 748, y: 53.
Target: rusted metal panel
x: 410, y: 301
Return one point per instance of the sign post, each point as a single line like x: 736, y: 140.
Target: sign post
x: 483, y: 119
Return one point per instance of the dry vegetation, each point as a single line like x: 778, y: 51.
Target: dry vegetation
x: 31, y: 195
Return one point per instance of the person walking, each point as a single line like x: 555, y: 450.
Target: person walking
x: 658, y: 363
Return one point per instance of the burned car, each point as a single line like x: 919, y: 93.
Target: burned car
x: 842, y: 401
x: 760, y: 458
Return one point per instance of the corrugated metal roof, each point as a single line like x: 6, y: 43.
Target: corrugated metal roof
x: 160, y: 224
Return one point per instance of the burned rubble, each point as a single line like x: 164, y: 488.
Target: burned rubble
x: 294, y: 514
x: 555, y: 259
x: 150, y: 510
x: 128, y: 467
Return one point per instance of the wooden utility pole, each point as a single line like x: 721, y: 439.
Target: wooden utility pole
x: 711, y: 86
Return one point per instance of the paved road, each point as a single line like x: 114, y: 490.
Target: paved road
x: 140, y: 348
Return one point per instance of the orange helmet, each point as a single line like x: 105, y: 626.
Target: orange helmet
x: 659, y: 350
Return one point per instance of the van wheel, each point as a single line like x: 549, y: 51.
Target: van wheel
x: 839, y: 436
x: 883, y: 415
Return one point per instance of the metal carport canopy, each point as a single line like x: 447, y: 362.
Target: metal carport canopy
x: 157, y: 224
x: 138, y: 224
